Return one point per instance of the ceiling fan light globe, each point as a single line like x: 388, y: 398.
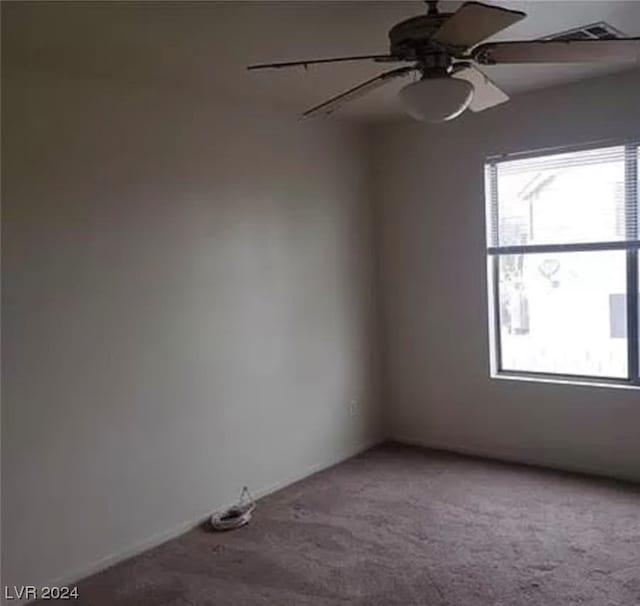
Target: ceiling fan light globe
x: 436, y: 99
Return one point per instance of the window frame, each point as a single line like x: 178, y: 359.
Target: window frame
x: 631, y: 245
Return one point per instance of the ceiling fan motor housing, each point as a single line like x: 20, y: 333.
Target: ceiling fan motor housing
x: 412, y: 39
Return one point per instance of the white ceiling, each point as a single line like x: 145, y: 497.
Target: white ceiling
x: 206, y: 45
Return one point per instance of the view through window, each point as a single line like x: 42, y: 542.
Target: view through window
x: 562, y: 233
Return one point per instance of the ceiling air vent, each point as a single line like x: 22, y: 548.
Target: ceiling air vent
x: 595, y: 31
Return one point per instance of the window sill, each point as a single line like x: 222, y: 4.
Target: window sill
x: 564, y: 380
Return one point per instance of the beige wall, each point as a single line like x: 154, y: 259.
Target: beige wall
x: 187, y: 308
x: 431, y: 206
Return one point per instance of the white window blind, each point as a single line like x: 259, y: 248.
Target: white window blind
x: 564, y: 198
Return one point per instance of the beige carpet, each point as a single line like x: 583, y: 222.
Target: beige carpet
x: 402, y: 526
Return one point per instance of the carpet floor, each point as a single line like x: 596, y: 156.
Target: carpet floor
x: 404, y: 526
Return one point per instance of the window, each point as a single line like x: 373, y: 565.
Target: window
x: 562, y: 234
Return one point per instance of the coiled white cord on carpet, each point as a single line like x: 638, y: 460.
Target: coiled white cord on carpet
x: 235, y: 516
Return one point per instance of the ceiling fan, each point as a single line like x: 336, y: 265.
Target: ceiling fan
x: 442, y: 50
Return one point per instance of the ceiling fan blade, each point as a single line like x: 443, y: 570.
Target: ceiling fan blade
x: 474, y: 22
x: 380, y: 58
x: 357, y: 91
x: 486, y: 93
x: 558, y: 51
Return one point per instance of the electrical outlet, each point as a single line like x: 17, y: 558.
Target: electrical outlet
x: 354, y: 408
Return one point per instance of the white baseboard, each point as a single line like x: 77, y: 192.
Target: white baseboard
x: 162, y: 537
x: 511, y: 457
